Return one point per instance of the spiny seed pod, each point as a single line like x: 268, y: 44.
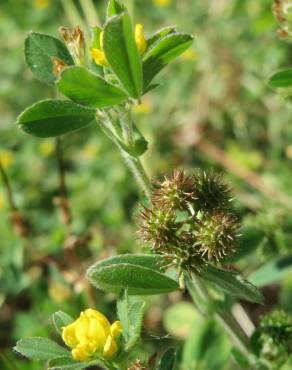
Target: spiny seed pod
x: 189, y: 223
x: 211, y: 192
x: 216, y: 235
x: 188, y: 258
x: 175, y: 191
x: 276, y: 330
x: 158, y: 225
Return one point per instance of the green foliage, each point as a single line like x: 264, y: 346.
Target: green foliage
x: 281, y: 79
x: 272, y: 271
x: 209, y: 348
x: 49, y: 118
x: 40, y: 349
x: 213, y: 96
x: 117, y: 273
x: 130, y: 312
x: 39, y: 50
x: 232, y: 283
x: 61, y: 319
x: 66, y: 363
x: 162, y: 52
x: 122, y: 53
x: 115, y: 7
x: 167, y: 361
x: 88, y: 89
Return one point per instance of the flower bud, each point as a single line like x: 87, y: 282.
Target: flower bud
x: 75, y: 41
x: 140, y: 38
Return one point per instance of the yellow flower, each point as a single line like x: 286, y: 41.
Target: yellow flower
x: 41, y: 4
x: 140, y: 38
x: 91, y: 333
x: 162, y: 3
x: 46, y: 148
x: 6, y: 158
x: 99, y: 57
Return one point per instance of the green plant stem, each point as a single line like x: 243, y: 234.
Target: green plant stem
x: 137, y: 169
x: 225, y: 319
x: 126, y: 127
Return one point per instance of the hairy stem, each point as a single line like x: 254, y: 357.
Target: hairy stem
x: 137, y: 169
x: 225, y: 319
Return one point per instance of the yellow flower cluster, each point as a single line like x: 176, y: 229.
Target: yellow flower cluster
x: 91, y: 333
x: 99, y: 57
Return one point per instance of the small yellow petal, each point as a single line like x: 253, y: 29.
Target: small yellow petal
x: 99, y: 57
x: 116, y: 329
x: 91, y: 313
x: 140, y: 39
x: 69, y: 336
x: 82, y: 352
x: 110, y: 347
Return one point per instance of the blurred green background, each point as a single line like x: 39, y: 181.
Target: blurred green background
x: 212, y: 110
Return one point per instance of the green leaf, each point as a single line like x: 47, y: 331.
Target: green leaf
x: 39, y: 50
x: 115, y: 7
x: 61, y: 319
x: 150, y: 88
x: 89, y: 89
x: 240, y: 358
x: 159, y: 35
x: 67, y: 363
x: 208, y: 348
x: 282, y: 78
x: 167, y: 360
x: 151, y: 261
x: 130, y: 312
x: 95, y: 40
x: 122, y: 53
x: 40, y: 349
x: 140, y: 143
x: 272, y: 271
x: 163, y: 52
x: 126, y: 271
x: 54, y: 117
x: 232, y: 283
